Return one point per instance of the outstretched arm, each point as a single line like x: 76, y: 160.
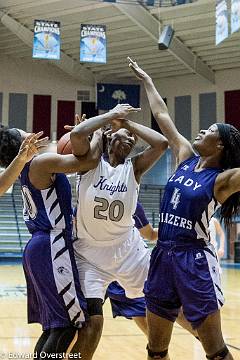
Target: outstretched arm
x: 158, y: 144
x: 45, y: 165
x: 28, y: 149
x: 226, y: 184
x: 181, y: 147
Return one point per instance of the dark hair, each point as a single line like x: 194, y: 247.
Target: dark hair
x: 230, y: 137
x: 10, y: 142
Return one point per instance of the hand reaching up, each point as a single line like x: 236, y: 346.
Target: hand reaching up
x: 140, y: 74
x: 31, y: 145
x: 122, y: 110
x: 76, y: 122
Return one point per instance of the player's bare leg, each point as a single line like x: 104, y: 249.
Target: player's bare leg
x: 182, y: 321
x: 89, y: 337
x: 210, y: 335
x: 159, y: 336
x: 141, y: 322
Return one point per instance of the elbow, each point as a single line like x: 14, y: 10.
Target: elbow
x: 163, y: 144
x: 78, y: 133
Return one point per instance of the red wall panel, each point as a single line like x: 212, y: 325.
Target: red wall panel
x: 65, y: 116
x: 42, y: 113
x: 232, y: 108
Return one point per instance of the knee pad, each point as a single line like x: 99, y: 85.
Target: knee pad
x: 65, y: 339
x: 94, y: 306
x: 220, y: 355
x: 156, y: 355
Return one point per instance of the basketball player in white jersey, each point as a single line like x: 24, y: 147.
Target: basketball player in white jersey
x: 109, y: 247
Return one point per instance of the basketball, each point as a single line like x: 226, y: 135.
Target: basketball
x: 64, y: 146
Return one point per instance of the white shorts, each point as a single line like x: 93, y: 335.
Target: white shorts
x: 126, y: 263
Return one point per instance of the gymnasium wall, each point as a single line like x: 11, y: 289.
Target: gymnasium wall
x: 207, y: 100
x: 20, y: 80
x: 193, y: 102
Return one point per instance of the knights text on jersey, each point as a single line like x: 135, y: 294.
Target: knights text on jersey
x: 188, y: 203
x: 107, y: 198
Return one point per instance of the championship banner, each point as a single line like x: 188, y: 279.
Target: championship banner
x: 93, y: 47
x: 109, y: 95
x: 221, y: 21
x: 235, y: 15
x: 46, y: 40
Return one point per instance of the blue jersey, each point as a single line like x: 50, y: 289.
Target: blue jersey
x: 48, y: 209
x: 188, y: 204
x: 140, y: 217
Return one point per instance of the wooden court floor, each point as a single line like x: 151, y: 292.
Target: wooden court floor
x: 121, y: 339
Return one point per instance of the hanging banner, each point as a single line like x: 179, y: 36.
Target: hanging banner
x: 93, y: 44
x: 221, y: 21
x: 235, y: 15
x: 46, y: 40
x: 109, y: 95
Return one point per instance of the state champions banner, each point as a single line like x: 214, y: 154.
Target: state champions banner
x: 93, y: 43
x: 109, y: 95
x: 235, y: 15
x: 46, y: 40
x: 221, y: 21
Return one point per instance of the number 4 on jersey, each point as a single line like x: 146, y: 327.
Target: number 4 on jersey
x: 175, y: 200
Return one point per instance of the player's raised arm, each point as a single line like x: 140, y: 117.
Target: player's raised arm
x: 158, y: 144
x: 181, y: 147
x: 80, y: 134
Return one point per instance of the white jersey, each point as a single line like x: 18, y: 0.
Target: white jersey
x: 107, y: 199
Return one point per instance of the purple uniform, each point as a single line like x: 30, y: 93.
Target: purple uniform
x: 184, y: 269
x: 121, y: 305
x: 54, y: 294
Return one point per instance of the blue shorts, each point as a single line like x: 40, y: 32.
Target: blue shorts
x: 186, y: 276
x: 123, y: 306
x: 53, y: 289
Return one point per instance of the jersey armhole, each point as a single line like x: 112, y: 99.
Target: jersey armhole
x: 187, y: 160
x: 27, y: 169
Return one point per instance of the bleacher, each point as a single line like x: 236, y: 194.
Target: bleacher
x: 13, y: 232
x: 150, y: 197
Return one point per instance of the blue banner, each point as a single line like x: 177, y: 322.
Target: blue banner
x: 93, y: 47
x: 235, y: 15
x: 109, y: 95
x: 221, y: 21
x: 46, y: 40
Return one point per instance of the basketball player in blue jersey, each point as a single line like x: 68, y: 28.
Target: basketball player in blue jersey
x: 109, y: 247
x: 54, y: 295
x: 136, y: 308
x: 184, y: 262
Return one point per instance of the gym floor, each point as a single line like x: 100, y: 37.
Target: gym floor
x: 121, y: 338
